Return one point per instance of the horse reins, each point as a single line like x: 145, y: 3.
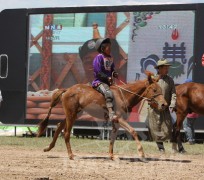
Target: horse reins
x: 127, y: 89
x: 131, y: 91
x: 121, y: 88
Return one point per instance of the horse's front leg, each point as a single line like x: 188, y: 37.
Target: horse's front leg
x: 115, y: 127
x: 60, y: 126
x: 132, y: 131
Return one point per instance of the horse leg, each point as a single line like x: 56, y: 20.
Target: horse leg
x: 178, y: 134
x: 131, y: 130
x: 179, y: 121
x: 60, y: 126
x: 113, y: 138
x: 67, y: 132
x: 174, y: 139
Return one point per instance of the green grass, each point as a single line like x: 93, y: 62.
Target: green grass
x: 34, y: 129
x: 93, y: 145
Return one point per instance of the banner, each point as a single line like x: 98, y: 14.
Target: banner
x: 156, y: 35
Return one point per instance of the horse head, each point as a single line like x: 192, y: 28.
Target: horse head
x: 153, y: 93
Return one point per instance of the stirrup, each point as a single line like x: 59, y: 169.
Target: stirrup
x: 113, y: 117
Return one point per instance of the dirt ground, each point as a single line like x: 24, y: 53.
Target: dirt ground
x: 20, y: 161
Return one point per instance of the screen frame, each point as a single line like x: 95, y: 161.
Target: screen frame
x: 103, y: 9
x: 198, y: 29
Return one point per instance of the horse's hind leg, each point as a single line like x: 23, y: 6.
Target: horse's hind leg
x: 179, y: 122
x: 173, y: 140
x: 131, y: 130
x: 60, y: 126
x: 180, y: 116
x: 113, y: 138
x: 67, y: 132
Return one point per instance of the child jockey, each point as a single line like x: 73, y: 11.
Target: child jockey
x: 103, y: 72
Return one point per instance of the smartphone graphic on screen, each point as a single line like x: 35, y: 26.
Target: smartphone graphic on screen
x: 50, y: 48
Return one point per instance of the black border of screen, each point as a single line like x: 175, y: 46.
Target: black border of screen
x: 122, y: 8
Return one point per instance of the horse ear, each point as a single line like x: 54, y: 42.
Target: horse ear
x: 149, y: 73
x: 158, y: 78
x: 149, y: 76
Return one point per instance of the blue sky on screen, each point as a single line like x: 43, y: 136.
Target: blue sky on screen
x: 10, y: 4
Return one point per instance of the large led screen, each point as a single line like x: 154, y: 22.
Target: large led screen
x: 61, y: 52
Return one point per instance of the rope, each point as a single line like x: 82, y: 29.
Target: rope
x: 124, y: 100
x: 123, y: 97
x: 148, y: 99
x: 126, y: 89
x: 131, y: 92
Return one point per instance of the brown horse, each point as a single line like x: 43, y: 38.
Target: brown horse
x: 189, y: 99
x: 81, y: 97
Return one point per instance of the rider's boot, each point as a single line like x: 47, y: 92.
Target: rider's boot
x: 112, y: 116
x: 160, y: 146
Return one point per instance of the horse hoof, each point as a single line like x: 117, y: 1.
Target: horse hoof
x: 46, y: 149
x: 112, y: 157
x: 143, y: 159
x: 71, y: 157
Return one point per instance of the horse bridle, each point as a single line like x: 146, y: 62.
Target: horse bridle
x: 152, y: 99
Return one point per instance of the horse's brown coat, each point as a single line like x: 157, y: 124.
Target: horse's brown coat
x: 83, y: 97
x: 189, y: 99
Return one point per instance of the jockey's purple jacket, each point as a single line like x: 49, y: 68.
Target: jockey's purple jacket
x: 103, y: 68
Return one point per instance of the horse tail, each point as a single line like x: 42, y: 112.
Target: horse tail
x: 56, y: 98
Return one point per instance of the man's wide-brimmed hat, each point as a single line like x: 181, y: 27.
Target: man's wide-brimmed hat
x: 162, y: 62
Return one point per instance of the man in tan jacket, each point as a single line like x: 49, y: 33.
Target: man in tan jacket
x: 160, y: 123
